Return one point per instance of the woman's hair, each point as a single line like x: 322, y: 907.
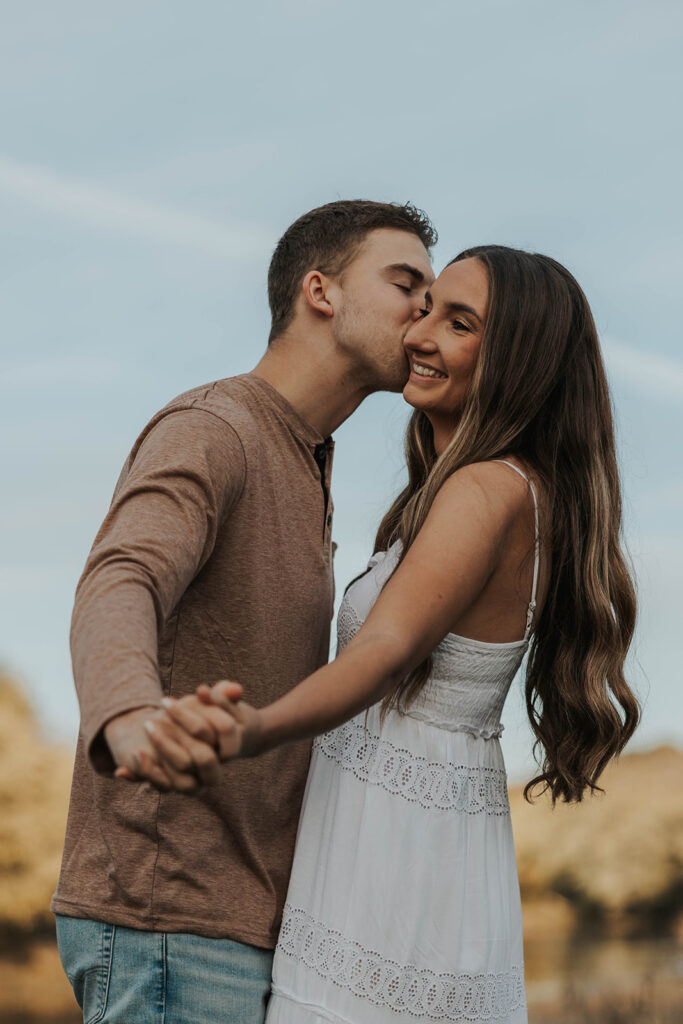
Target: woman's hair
x: 539, y: 392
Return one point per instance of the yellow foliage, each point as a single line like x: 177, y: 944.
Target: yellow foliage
x: 621, y: 851
x: 34, y: 790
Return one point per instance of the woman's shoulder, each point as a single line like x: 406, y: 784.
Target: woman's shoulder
x: 501, y: 485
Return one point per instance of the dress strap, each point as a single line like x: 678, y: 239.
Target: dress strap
x: 537, y: 547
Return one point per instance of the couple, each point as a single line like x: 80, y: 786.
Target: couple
x: 401, y: 902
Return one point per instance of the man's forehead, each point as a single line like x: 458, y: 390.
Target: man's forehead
x: 390, y: 246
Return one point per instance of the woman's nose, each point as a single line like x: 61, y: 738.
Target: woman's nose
x: 418, y: 336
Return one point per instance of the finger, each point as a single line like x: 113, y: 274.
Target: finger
x: 192, y: 722
x: 204, y: 757
x: 182, y: 753
x: 221, y: 692
x: 125, y: 773
x: 171, y: 753
x: 229, y: 738
x: 221, y: 697
x: 230, y: 745
x: 207, y: 764
x: 152, y: 772
x: 226, y: 742
x: 227, y: 728
x: 163, y: 776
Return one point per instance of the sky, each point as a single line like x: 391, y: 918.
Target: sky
x: 151, y: 154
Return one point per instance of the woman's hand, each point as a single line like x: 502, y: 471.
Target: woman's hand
x: 245, y: 738
x: 214, y: 715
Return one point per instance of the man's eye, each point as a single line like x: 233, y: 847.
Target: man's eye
x: 405, y: 288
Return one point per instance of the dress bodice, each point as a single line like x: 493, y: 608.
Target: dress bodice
x: 469, y: 680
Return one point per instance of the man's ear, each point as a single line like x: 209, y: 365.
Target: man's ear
x: 316, y: 288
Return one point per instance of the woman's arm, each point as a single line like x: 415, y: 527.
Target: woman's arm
x: 442, y: 574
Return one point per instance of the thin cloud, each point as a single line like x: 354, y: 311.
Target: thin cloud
x: 117, y: 212
x: 650, y: 371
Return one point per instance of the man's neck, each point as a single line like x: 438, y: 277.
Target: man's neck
x: 321, y: 384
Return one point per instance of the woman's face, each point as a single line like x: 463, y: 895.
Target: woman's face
x: 443, y: 346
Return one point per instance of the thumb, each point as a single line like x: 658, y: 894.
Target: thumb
x: 224, y: 690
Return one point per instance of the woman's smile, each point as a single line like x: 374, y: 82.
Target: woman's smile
x: 423, y: 373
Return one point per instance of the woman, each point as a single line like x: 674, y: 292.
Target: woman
x: 403, y: 900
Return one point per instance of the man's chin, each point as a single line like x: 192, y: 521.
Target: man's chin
x: 393, y: 384
x: 397, y: 382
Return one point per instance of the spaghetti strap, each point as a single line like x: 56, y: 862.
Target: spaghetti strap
x: 537, y: 547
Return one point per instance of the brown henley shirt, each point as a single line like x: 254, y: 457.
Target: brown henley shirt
x: 213, y: 562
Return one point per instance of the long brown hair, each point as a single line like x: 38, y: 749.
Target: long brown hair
x: 539, y: 392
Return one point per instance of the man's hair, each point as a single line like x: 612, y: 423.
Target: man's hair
x: 327, y: 239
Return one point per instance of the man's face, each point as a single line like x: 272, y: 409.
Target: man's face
x: 381, y: 293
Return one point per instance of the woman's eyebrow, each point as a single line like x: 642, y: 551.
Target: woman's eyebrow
x: 462, y: 307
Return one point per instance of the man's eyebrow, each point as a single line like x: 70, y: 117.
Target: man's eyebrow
x: 407, y: 268
x: 455, y: 307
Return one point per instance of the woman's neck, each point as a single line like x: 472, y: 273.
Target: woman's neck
x: 443, y: 429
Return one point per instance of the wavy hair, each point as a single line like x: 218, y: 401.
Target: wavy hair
x: 539, y: 392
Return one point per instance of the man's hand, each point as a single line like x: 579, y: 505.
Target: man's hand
x: 189, y: 753
x: 134, y: 754
x: 177, y: 746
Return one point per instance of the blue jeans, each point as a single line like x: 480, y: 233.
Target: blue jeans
x: 123, y: 976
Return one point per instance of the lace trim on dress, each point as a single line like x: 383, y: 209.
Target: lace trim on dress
x: 404, y: 988
x: 472, y: 789
x: 348, y: 624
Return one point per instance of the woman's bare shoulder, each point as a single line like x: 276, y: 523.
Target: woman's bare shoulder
x: 492, y: 485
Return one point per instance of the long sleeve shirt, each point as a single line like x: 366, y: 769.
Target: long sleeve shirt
x: 213, y: 562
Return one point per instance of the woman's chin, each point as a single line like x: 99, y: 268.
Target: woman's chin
x: 413, y: 396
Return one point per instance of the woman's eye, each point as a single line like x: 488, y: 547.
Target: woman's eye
x: 404, y: 288
x: 460, y: 325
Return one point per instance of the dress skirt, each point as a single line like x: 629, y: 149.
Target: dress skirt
x: 403, y: 903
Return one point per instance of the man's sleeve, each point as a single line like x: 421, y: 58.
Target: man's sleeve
x: 160, y: 530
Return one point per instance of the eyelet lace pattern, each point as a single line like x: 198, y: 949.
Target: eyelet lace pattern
x: 468, y: 683
x: 405, y: 988
x: 472, y: 789
x: 348, y: 624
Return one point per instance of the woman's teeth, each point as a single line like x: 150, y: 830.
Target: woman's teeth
x: 427, y: 371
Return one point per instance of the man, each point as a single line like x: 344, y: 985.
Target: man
x: 214, y: 560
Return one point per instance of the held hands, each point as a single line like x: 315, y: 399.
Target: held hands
x: 184, y: 744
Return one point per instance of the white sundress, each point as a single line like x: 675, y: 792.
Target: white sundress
x: 403, y: 903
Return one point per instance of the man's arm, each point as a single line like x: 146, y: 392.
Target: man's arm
x: 159, y: 532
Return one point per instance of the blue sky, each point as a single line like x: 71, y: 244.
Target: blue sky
x: 152, y: 153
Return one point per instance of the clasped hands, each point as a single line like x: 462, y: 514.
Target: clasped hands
x: 182, y: 744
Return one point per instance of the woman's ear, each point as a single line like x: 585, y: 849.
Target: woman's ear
x: 315, y: 288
